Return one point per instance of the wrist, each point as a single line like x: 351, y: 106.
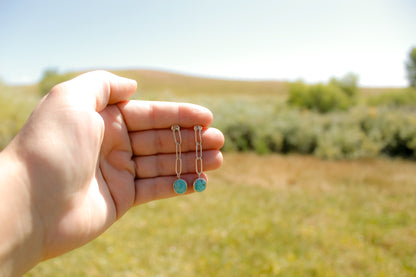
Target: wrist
x: 21, y: 236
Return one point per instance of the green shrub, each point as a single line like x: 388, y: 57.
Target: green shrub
x: 338, y: 94
x: 343, y: 141
x: 397, y: 132
x: 268, y: 140
x: 298, y: 94
x: 50, y: 78
x: 357, y: 133
x: 411, y: 68
x: 299, y: 131
x: 394, y: 99
x: 239, y: 136
x: 348, y: 84
x: 321, y: 98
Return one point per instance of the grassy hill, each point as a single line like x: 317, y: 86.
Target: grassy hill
x: 151, y: 81
x: 158, y: 84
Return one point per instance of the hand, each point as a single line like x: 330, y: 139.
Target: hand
x: 86, y: 155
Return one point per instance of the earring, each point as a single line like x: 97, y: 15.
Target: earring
x: 180, y: 185
x: 199, y: 184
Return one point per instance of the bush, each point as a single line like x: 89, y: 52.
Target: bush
x: 299, y: 131
x: 394, y: 99
x: 239, y: 136
x: 268, y: 141
x: 345, y: 141
x: 357, y: 133
x: 396, y: 132
x: 338, y: 94
x: 321, y: 98
x: 50, y: 78
x: 348, y: 84
x: 411, y: 68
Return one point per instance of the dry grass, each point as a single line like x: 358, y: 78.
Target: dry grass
x: 266, y: 216
x: 367, y: 91
x: 279, y: 171
x: 157, y: 82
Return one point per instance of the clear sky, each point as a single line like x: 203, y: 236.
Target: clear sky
x: 282, y: 40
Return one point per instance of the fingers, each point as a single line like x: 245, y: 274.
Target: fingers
x: 95, y: 89
x: 161, y: 187
x: 161, y: 141
x: 162, y: 115
x: 164, y: 164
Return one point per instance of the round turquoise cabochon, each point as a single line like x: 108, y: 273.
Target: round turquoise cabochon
x: 179, y: 186
x: 200, y: 185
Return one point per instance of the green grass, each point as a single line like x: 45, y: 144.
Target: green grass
x: 283, y: 220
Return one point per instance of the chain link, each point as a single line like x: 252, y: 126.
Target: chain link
x: 176, y: 130
x: 198, y: 149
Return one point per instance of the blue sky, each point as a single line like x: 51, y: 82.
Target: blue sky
x: 282, y: 40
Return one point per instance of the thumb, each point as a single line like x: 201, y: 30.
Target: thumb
x: 97, y: 89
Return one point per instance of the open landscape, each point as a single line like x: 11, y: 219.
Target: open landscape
x: 301, y: 193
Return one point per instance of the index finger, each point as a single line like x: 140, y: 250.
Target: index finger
x: 145, y: 115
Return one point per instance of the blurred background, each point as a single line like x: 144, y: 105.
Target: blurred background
x: 317, y: 102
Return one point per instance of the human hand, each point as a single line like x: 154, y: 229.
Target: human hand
x: 86, y: 155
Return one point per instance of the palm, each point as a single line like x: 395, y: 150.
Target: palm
x: 109, y: 193
x: 100, y: 187
x: 116, y: 166
x: 94, y: 155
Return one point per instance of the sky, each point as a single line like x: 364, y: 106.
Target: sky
x: 276, y: 40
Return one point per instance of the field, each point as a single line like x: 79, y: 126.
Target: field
x: 266, y: 216
x: 263, y: 215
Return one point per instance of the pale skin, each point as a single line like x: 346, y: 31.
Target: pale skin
x: 86, y: 156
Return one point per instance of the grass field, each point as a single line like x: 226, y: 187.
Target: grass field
x: 270, y: 215
x: 266, y: 216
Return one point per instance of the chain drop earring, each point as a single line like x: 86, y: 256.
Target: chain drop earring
x: 180, y: 185
x: 199, y: 184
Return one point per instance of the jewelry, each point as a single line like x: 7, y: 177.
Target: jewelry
x: 180, y: 185
x: 199, y: 184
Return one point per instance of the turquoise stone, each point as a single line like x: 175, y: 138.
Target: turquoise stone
x: 200, y: 185
x: 179, y: 186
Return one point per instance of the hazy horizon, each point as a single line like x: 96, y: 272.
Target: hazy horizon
x: 191, y: 75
